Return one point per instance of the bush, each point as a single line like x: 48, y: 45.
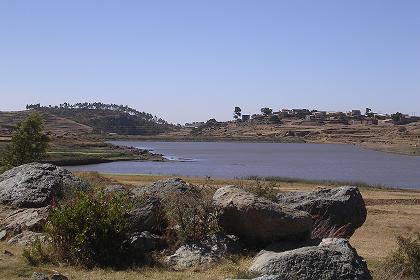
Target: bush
x: 91, y: 230
x: 28, y: 144
x: 192, y: 217
x: 405, y: 260
x: 261, y: 189
x: 38, y: 253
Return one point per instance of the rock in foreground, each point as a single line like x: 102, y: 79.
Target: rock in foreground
x: 258, y: 221
x: 34, y: 185
x: 167, y: 188
x: 341, y: 207
x: 203, y: 253
x: 332, y: 259
x: 20, y: 220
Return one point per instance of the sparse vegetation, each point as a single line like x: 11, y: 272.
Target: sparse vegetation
x: 192, y: 218
x: 405, y: 260
x: 38, y: 253
x: 266, y: 189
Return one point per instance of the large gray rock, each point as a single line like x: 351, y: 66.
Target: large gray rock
x: 203, y: 253
x: 39, y: 276
x: 54, y: 276
x: 149, y: 202
x: 332, y: 259
x: 145, y: 242
x: 146, y: 215
x: 340, y: 207
x: 171, y: 187
x: 258, y: 221
x: 36, y: 185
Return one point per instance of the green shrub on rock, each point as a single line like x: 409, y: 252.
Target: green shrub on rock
x: 91, y: 230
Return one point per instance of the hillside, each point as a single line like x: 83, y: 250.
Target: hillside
x: 72, y: 143
x: 54, y: 126
x: 108, y: 118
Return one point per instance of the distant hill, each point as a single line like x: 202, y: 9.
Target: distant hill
x: 108, y: 118
x: 54, y: 125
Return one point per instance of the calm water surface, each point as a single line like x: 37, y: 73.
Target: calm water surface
x: 305, y: 161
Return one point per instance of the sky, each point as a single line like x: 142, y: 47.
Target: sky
x: 195, y: 60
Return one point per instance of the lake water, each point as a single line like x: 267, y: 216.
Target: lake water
x: 239, y: 160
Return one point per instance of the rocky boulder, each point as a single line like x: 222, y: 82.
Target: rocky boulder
x: 26, y: 238
x: 146, y: 242
x: 26, y: 219
x: 341, y: 207
x: 35, y: 185
x: 146, y: 215
x: 148, y: 202
x: 258, y: 221
x: 54, y: 276
x: 119, y: 189
x: 332, y: 259
x: 172, y: 187
x: 203, y: 253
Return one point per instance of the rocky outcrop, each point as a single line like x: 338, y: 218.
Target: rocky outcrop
x: 39, y: 276
x: 36, y: 185
x: 258, y: 221
x: 171, y: 187
x: 26, y: 238
x: 146, y: 242
x: 341, y: 207
x: 148, y: 202
x: 26, y: 219
x: 146, y: 215
x: 332, y: 259
x: 203, y: 253
x: 116, y: 189
x: 42, y: 276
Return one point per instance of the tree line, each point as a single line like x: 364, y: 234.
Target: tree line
x: 108, y: 118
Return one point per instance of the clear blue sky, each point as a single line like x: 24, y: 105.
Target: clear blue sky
x: 193, y: 60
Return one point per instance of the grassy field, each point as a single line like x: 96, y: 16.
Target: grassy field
x: 391, y: 212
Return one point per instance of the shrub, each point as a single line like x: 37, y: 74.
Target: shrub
x: 192, y: 217
x: 28, y: 144
x: 263, y: 190
x: 91, y: 230
x: 405, y: 260
x: 38, y: 253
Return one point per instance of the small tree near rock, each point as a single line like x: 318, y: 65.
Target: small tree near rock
x: 28, y: 144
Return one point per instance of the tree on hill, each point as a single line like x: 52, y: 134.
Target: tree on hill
x: 266, y: 111
x: 397, y: 117
x: 28, y: 143
x: 237, y: 113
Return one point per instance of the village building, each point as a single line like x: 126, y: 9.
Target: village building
x: 246, y: 118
